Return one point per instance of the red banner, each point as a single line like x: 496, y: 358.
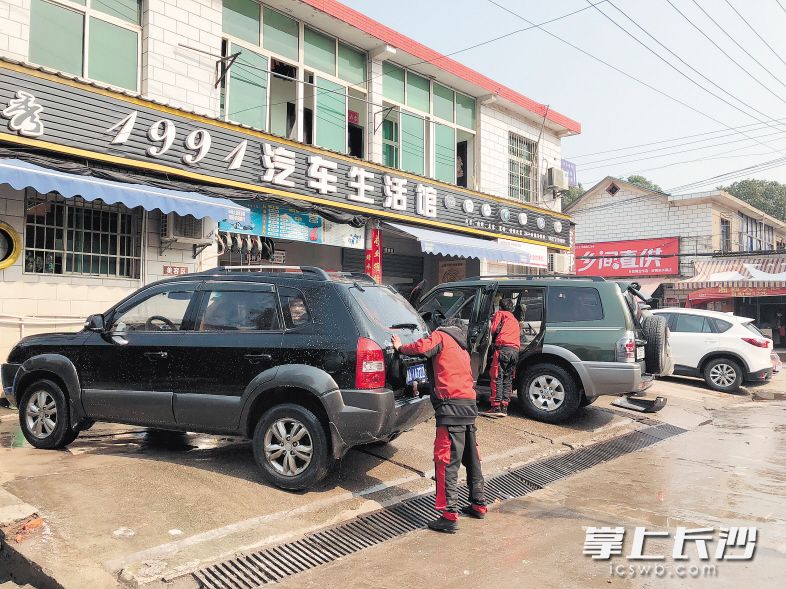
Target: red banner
x: 374, y: 254
x: 637, y: 257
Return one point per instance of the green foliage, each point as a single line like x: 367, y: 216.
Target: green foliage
x: 766, y: 195
x: 644, y: 183
x: 573, y: 194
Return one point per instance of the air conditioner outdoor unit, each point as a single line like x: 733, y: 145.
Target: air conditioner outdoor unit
x: 556, y: 179
x: 187, y: 229
x: 559, y: 263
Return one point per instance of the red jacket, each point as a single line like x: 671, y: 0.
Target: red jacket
x: 453, y: 394
x: 510, y: 334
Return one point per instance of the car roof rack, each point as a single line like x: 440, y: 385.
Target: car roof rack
x: 536, y: 277
x: 313, y: 271
x: 352, y: 276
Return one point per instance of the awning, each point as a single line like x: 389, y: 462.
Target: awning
x: 648, y: 285
x: 450, y: 244
x: 740, y: 273
x: 20, y: 175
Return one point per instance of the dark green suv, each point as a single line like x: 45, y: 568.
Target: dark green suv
x: 581, y: 337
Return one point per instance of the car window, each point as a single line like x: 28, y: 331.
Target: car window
x: 293, y: 306
x: 457, y: 302
x: 573, y: 304
x: 666, y: 316
x: 720, y: 325
x: 385, y: 306
x: 245, y: 310
x: 162, y: 311
x: 686, y: 323
x: 753, y: 329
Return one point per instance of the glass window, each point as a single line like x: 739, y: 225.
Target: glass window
x: 293, y: 305
x: 521, y: 166
x: 721, y: 325
x: 127, y: 10
x: 443, y: 102
x: 163, y: 311
x: 56, y: 37
x: 240, y: 311
x: 465, y: 111
x: 241, y: 19
x: 753, y: 329
x: 390, y: 143
x: 413, y: 149
x: 445, y: 153
x: 351, y: 64
x: 320, y: 51
x: 113, y: 54
x: 725, y: 236
x: 247, y: 98
x: 331, y: 116
x: 385, y: 306
x: 392, y: 82
x: 418, y: 92
x: 568, y: 304
x: 78, y: 237
x: 451, y: 303
x: 280, y: 34
x: 691, y: 324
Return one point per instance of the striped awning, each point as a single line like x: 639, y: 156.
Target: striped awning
x: 742, y: 272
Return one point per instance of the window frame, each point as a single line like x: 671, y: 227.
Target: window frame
x: 305, y: 304
x: 549, y: 312
x: 207, y: 288
x: 148, y: 293
x: 534, y: 178
x: 88, y: 13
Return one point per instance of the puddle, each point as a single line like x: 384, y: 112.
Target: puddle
x: 13, y: 439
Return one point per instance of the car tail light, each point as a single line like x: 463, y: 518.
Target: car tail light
x: 370, y: 365
x: 626, y: 347
x: 757, y: 341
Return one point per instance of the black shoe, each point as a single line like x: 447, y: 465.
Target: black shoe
x: 470, y: 511
x: 493, y: 411
x: 503, y: 409
x: 443, y: 524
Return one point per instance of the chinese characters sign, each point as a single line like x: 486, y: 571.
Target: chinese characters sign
x: 76, y: 119
x: 638, y: 257
x: 373, y: 266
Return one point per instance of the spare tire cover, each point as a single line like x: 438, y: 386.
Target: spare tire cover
x: 657, y: 351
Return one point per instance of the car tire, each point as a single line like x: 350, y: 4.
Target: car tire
x: 548, y: 393
x: 43, y: 416
x: 656, y: 351
x: 273, y: 434
x: 586, y: 402
x: 723, y: 375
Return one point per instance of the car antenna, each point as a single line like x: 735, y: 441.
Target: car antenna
x: 357, y: 286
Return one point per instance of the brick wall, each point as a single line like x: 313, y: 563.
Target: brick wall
x: 15, y: 28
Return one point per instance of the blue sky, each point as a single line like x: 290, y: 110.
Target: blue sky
x: 615, y: 111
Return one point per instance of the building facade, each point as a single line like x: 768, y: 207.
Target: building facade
x: 706, y: 249
x: 310, y: 133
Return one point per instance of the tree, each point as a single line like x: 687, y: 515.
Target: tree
x: 766, y: 195
x: 573, y: 194
x: 644, y: 183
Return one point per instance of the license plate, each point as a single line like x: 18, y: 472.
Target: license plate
x: 416, y: 372
x: 640, y: 353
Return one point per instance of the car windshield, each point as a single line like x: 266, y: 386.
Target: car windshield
x: 386, y: 307
x: 751, y: 327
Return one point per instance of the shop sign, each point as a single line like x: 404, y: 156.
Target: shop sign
x: 373, y: 265
x: 452, y: 270
x: 638, y: 257
x: 175, y: 270
x: 353, y: 117
x: 73, y: 118
x: 729, y: 292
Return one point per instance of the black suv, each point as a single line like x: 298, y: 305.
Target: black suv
x: 295, y: 358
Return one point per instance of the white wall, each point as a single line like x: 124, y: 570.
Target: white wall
x: 15, y: 28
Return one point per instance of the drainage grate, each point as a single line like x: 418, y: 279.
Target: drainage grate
x: 278, y: 562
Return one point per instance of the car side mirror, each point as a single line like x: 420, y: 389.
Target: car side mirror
x: 95, y: 323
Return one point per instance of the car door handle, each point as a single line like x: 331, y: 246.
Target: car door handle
x: 257, y: 358
x: 155, y: 355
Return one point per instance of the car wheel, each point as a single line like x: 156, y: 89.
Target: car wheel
x: 585, y: 401
x: 291, y: 447
x: 43, y: 416
x: 723, y: 374
x: 548, y: 392
x: 657, y: 351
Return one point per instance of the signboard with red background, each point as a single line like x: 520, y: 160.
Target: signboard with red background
x: 637, y: 257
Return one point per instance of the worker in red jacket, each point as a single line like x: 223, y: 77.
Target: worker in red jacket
x: 506, y: 339
x: 453, y: 397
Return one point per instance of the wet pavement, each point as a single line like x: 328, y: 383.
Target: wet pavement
x: 125, y: 502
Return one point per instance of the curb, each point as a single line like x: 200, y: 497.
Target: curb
x: 768, y: 396
x: 21, y: 570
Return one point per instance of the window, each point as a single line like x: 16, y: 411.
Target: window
x: 293, y: 304
x: 443, y: 102
x: 691, y: 324
x: 351, y: 64
x: 445, y: 153
x: 755, y: 235
x: 392, y: 82
x: 241, y: 19
x: 719, y: 325
x: 319, y: 51
x: 413, y: 144
x: 331, y: 115
x: 162, y: 311
x: 249, y: 310
x: 451, y: 303
x: 725, y: 235
x: 418, y: 92
x: 522, y: 173
x: 465, y: 111
x: 246, y: 101
x: 77, y: 237
x: 390, y: 140
x: 385, y: 306
x: 281, y: 34
x: 568, y: 304
x: 99, y: 40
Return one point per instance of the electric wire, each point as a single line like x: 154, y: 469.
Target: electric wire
x: 755, y: 32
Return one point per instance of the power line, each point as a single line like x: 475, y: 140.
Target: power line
x: 732, y: 174
x: 624, y: 73
x: 783, y: 8
x: 755, y: 32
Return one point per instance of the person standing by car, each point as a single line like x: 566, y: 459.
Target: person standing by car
x: 453, y: 397
x: 506, y: 339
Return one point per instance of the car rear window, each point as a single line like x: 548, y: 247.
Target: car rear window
x: 566, y: 304
x: 385, y: 306
x: 752, y: 328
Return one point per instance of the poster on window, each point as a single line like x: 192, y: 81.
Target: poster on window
x: 452, y: 271
x: 620, y: 259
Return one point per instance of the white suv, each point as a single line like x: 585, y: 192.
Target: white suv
x: 724, y: 349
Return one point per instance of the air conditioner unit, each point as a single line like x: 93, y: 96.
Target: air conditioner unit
x: 556, y: 179
x: 559, y: 263
x: 187, y: 229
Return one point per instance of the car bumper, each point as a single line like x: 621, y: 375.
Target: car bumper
x: 362, y: 417
x: 759, y: 377
x: 7, y: 376
x: 613, y: 378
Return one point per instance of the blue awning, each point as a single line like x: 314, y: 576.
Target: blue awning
x: 20, y: 175
x: 450, y: 244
